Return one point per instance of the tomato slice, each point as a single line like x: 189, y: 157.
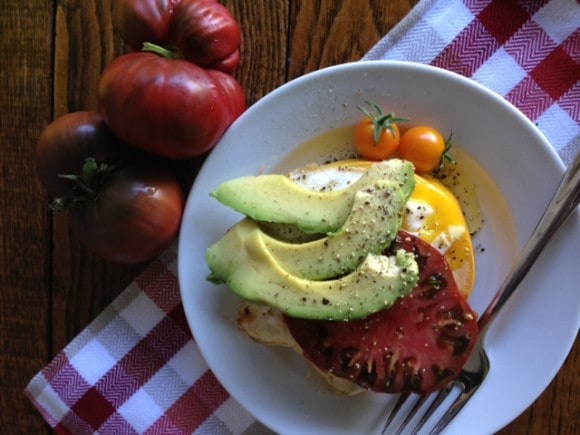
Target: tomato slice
x: 418, y: 345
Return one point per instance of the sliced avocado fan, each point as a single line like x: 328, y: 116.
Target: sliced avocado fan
x: 340, y: 276
x: 374, y: 285
x: 371, y: 226
x: 276, y: 198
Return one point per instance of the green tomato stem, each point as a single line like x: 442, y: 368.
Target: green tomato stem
x: 446, y: 156
x: 381, y: 121
x: 85, y: 186
x: 166, y: 53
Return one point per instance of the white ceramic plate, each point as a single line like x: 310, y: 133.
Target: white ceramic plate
x: 516, y: 173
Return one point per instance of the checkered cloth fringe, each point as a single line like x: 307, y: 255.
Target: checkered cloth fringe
x: 136, y: 368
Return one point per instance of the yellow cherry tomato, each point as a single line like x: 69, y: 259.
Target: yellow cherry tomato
x: 377, y: 136
x: 386, y: 145
x: 424, y: 147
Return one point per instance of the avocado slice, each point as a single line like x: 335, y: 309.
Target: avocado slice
x: 276, y: 198
x: 374, y: 285
x: 371, y: 226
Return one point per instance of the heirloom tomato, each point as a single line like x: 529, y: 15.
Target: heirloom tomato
x: 168, y: 106
x: 201, y: 31
x: 418, y: 345
x: 134, y: 214
x: 66, y: 142
x: 122, y: 205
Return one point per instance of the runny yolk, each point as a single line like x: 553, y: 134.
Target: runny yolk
x: 433, y: 214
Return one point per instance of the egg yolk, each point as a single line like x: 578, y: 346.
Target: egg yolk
x: 434, y: 214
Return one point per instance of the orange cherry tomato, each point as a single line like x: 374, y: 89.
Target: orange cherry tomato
x: 377, y: 136
x: 424, y: 147
x: 365, y: 143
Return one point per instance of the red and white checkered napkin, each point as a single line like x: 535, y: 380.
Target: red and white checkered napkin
x: 136, y: 368
x: 528, y: 51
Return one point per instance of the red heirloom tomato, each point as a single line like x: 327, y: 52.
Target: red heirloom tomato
x: 134, y: 214
x: 65, y: 143
x: 418, y: 345
x: 169, y: 107
x: 202, y: 31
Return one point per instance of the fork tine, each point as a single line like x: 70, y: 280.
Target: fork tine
x: 432, y: 407
x: 418, y: 404
x: 453, y: 410
x: 402, y: 399
x: 470, y: 380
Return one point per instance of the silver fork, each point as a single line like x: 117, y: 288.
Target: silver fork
x: 564, y: 201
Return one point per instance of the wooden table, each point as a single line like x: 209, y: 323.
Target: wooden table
x: 52, y: 53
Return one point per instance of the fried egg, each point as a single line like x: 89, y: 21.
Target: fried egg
x: 432, y: 213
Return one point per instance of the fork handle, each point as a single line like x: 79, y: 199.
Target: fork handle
x: 564, y: 201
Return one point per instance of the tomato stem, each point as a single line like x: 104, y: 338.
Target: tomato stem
x: 381, y: 121
x: 446, y: 156
x: 85, y: 186
x: 149, y: 47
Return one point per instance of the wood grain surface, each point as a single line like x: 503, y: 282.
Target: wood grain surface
x: 52, y: 53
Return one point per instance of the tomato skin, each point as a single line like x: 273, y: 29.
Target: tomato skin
x: 172, y: 108
x: 67, y: 141
x: 377, y: 136
x: 424, y: 146
x: 135, y: 216
x: 418, y: 345
x: 207, y: 34
x: 140, y: 21
x: 203, y: 31
x: 137, y: 206
x: 365, y: 144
